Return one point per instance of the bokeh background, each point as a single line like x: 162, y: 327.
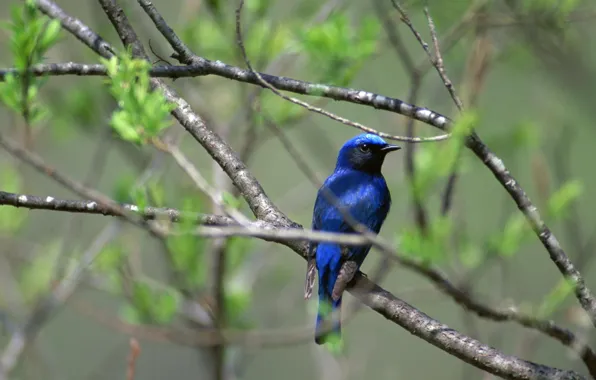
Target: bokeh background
x: 534, y: 98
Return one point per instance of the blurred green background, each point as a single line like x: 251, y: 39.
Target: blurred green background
x: 535, y: 108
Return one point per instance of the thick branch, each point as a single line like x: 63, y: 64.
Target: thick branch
x: 440, y: 335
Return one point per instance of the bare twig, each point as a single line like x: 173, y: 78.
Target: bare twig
x: 33, y: 202
x: 201, y: 183
x: 438, y: 62
x: 135, y: 350
x: 416, y: 75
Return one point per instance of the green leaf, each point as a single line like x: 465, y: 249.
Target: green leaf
x: 31, y: 35
x: 258, y: 7
x: 550, y: 13
x: 429, y: 246
x: 166, y: 306
x: 187, y: 250
x: 336, y: 48
x: 151, y: 304
x: 142, y: 298
x: 207, y: 37
x: 509, y: 241
x: 110, y: 259
x: 111, y: 65
x: 36, y: 277
x: 280, y: 111
x: 129, y: 314
x: 51, y: 34
x: 9, y: 92
x: 470, y: 255
x: 113, y: 282
x: 555, y: 298
x: 156, y: 192
x: 122, y: 124
x: 238, y: 299
x: 215, y: 6
x: 230, y: 200
x: 236, y: 252
x: 143, y: 112
x: 76, y: 109
x: 436, y: 161
x: 123, y: 188
x: 139, y: 197
x: 525, y: 135
x: 265, y: 41
x: 559, y: 202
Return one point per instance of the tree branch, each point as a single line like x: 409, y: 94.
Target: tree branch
x: 33, y: 202
x: 467, y: 349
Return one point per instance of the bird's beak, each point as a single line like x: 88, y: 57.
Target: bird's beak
x: 390, y: 148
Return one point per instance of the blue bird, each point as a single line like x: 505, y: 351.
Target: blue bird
x: 359, y: 189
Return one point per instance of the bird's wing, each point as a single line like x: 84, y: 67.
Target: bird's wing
x: 346, y: 274
x: 323, y: 204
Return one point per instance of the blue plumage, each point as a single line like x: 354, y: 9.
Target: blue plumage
x: 358, y: 187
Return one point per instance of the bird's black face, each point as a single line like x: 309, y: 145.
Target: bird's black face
x: 369, y: 156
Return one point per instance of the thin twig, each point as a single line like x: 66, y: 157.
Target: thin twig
x: 439, y: 64
x: 201, y: 183
x: 33, y: 202
x: 135, y: 350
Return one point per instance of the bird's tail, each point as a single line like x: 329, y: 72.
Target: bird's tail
x: 328, y: 327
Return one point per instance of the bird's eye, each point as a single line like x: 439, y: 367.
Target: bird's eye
x: 364, y: 148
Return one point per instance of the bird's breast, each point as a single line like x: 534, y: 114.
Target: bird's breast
x: 366, y: 198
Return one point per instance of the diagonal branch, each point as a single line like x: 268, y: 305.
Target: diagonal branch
x: 467, y: 349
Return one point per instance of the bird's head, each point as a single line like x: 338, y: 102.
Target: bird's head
x: 365, y: 152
